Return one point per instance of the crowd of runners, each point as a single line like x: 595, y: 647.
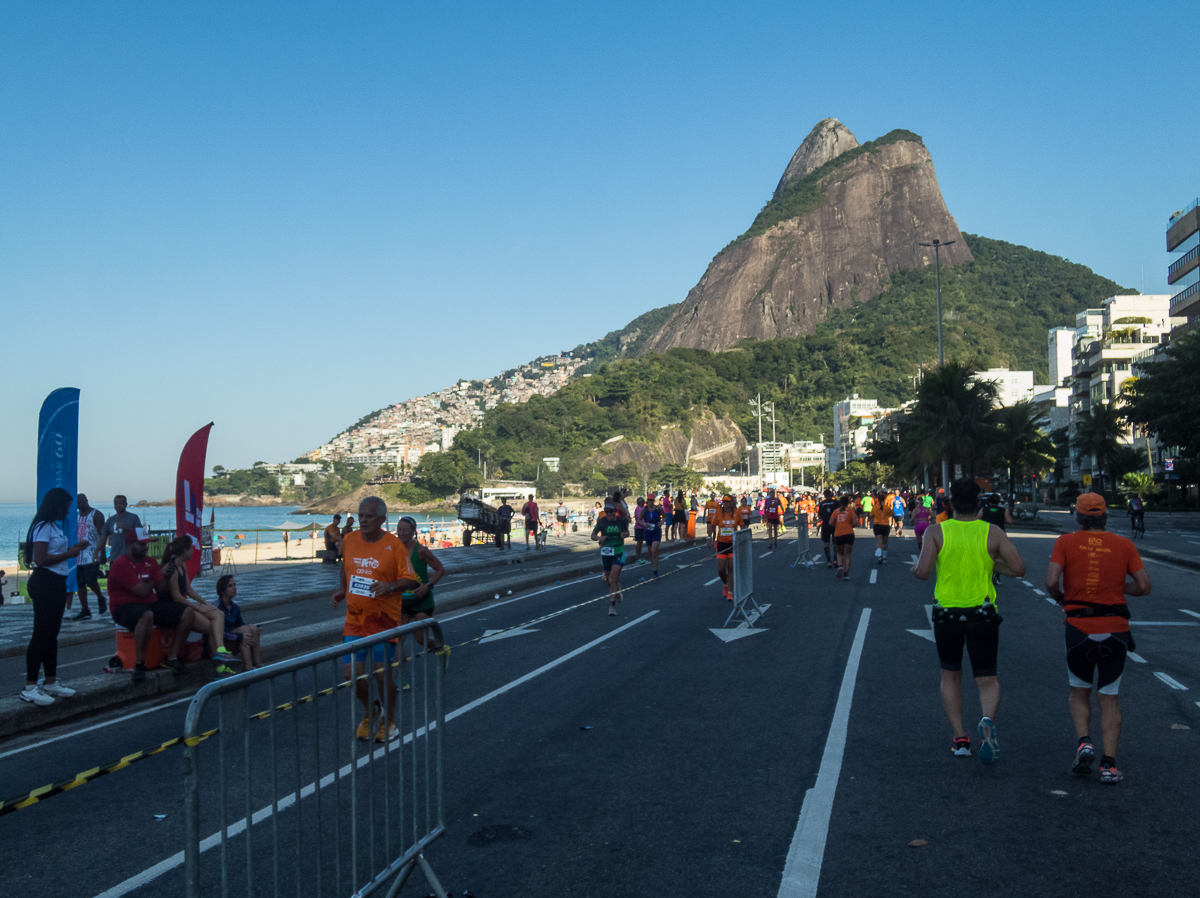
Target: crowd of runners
x: 963, y: 544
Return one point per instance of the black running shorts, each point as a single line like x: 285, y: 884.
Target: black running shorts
x: 1102, y: 662
x: 883, y: 529
x: 845, y: 540
x: 167, y: 615
x: 954, y: 628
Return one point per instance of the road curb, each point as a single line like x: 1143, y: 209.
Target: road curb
x: 104, y: 691
x: 90, y: 636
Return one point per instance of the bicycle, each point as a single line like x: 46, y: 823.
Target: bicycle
x: 1137, y: 523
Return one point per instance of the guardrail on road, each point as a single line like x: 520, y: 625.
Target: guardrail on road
x: 341, y: 814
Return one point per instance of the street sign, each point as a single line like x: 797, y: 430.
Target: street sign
x: 1087, y: 479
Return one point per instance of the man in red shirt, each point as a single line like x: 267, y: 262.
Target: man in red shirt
x: 132, y: 598
x: 531, y: 514
x: 1093, y: 566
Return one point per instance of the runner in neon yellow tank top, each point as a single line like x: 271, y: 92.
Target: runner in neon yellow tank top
x: 965, y: 552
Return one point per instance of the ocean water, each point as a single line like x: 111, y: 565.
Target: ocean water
x: 15, y: 518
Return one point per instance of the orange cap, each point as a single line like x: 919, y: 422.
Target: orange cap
x: 1091, y: 504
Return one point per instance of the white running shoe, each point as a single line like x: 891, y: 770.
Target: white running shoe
x: 57, y: 689
x: 34, y: 695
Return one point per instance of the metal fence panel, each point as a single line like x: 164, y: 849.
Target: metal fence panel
x: 803, y: 555
x: 294, y: 798
x: 743, y: 579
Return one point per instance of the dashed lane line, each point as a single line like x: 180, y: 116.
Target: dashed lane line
x: 765, y: 554
x: 802, y: 870
x: 1134, y: 656
x: 874, y: 575
x: 1189, y: 611
x: 1170, y: 681
x: 712, y: 581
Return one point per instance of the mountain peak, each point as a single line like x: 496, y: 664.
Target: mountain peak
x: 828, y: 139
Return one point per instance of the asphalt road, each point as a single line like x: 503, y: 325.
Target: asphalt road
x: 662, y: 760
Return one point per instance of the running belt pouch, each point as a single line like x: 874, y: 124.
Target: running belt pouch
x: 1097, y: 609
x: 976, y: 615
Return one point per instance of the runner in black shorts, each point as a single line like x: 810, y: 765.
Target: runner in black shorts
x: 1095, y: 568
x: 827, y: 507
x: 964, y: 552
x: 610, y: 531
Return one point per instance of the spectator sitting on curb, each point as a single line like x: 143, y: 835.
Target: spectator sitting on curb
x: 237, y: 631
x: 176, y: 588
x: 132, y: 582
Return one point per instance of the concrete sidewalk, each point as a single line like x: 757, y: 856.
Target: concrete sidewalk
x: 496, y: 574
x: 268, y: 587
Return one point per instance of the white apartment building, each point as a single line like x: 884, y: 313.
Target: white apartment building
x: 1011, y: 386
x: 853, y: 420
x: 1060, y: 344
x: 1108, y: 340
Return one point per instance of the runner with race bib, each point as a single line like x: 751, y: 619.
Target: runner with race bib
x: 610, y: 531
x: 730, y: 519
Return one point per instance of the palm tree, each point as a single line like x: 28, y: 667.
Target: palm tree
x: 1140, y: 485
x: 1098, y: 434
x: 952, y: 418
x: 1020, y: 444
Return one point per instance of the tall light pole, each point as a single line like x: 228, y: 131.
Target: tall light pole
x: 937, y: 267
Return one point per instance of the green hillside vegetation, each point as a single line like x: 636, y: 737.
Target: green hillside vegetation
x: 803, y: 195
x: 608, y: 347
x: 996, y: 313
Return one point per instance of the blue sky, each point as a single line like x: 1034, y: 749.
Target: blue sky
x: 279, y: 217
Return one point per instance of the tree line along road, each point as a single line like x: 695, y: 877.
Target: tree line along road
x: 664, y: 760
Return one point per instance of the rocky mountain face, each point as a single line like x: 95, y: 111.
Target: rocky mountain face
x: 843, y: 218
x: 713, y: 445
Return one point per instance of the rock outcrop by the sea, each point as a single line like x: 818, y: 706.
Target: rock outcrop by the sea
x: 861, y: 219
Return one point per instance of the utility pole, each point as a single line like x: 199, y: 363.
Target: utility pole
x: 937, y: 265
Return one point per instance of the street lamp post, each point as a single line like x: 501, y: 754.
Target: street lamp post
x: 937, y: 267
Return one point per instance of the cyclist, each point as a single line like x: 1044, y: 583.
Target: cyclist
x: 1137, y: 515
x: 610, y: 531
x: 964, y: 551
x: 1093, y: 565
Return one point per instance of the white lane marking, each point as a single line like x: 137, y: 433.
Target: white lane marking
x: 493, y: 635
x: 84, y: 661
x: 1177, y: 567
x: 490, y: 605
x: 1187, y: 611
x: 1165, y: 623
x: 1170, y: 681
x: 1134, y: 656
x: 874, y: 575
x: 802, y: 871
x: 712, y: 581
x: 1193, y: 542
x: 1027, y: 583
x: 1039, y: 592
x: 150, y: 873
x: 1048, y: 599
x: 765, y: 554
x: 916, y: 558
x: 95, y: 726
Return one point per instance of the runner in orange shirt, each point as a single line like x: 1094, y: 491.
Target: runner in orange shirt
x: 842, y: 521
x: 730, y: 518
x: 1095, y: 568
x: 881, y: 516
x: 711, y: 507
x: 376, y: 571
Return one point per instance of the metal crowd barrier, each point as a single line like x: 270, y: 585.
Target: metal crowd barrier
x: 743, y: 579
x: 803, y: 555
x: 294, y: 800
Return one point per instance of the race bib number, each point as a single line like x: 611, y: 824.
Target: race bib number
x: 727, y: 531
x: 360, y: 586
x: 607, y: 550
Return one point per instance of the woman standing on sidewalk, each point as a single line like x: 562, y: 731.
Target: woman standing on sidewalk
x: 209, y: 619
x: 48, y: 553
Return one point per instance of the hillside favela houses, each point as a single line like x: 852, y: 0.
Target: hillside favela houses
x: 401, y: 434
